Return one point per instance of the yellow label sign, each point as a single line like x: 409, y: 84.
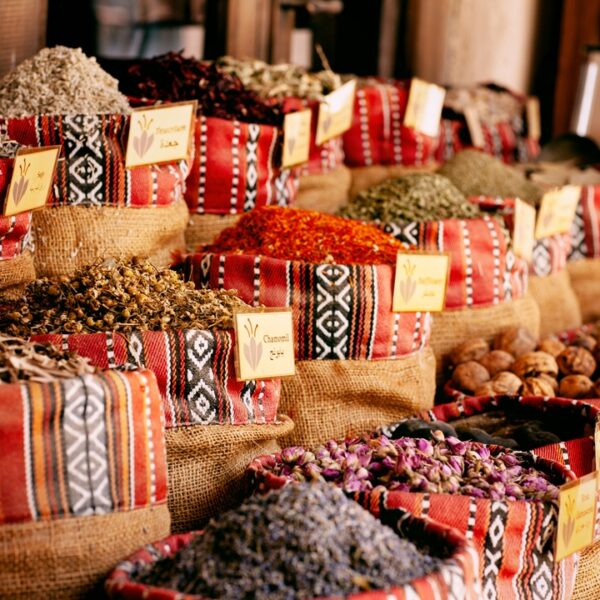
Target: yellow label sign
x: 576, y: 515
x: 474, y: 126
x: 160, y: 134
x: 335, y: 112
x: 557, y: 211
x: 534, y: 123
x: 296, y: 138
x: 264, y: 343
x: 421, y: 282
x: 523, y: 230
x: 31, y: 180
x: 424, y: 108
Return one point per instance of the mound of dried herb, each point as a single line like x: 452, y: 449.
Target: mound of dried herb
x: 415, y: 197
x: 306, y: 235
x: 174, y: 77
x: 301, y: 542
x: 477, y: 174
x: 118, y: 295
x: 60, y: 80
x: 21, y: 360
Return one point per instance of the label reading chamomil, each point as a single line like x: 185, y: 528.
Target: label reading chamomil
x: 160, y: 134
x: 33, y: 172
x: 424, y: 107
x: 523, y: 230
x: 335, y: 112
x: 576, y: 515
x: 534, y: 125
x: 264, y: 343
x: 474, y: 126
x: 296, y: 138
x: 557, y: 211
x: 421, y: 282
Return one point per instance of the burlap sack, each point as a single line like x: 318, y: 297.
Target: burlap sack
x: 15, y: 274
x: 69, y: 237
x: 70, y: 558
x: 207, y: 463
x: 365, y: 177
x: 587, y: 582
x: 558, y: 304
x: 203, y: 229
x: 452, y: 327
x: 585, y: 283
x: 324, y: 192
x: 329, y: 399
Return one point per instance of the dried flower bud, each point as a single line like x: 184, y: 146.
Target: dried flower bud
x: 575, y: 360
x: 496, y: 361
x: 516, y: 341
x: 469, y: 376
x: 469, y: 350
x: 576, y: 386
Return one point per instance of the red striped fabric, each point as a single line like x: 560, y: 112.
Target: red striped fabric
x: 586, y: 225
x: 88, y: 445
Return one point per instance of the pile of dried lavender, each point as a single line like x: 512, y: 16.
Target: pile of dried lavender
x: 21, y: 360
x: 60, y: 80
x: 303, y: 541
x: 118, y: 295
x: 440, y: 465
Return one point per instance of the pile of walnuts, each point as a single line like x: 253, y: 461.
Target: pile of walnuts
x: 517, y: 363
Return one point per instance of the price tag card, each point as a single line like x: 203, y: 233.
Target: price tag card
x: 296, y: 138
x: 474, y: 126
x: 160, y: 134
x: 33, y: 173
x: 557, y: 211
x: 576, y: 515
x: 534, y: 122
x: 335, y: 113
x: 424, y: 108
x: 264, y: 342
x: 421, y: 282
x: 523, y: 230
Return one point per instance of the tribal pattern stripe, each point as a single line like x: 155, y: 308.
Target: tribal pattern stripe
x: 339, y: 311
x: 91, y: 171
x: 586, y: 225
x: 90, y: 445
x: 195, y: 372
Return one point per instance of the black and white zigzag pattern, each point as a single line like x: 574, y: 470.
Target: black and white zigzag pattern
x: 200, y: 382
x: 251, y: 167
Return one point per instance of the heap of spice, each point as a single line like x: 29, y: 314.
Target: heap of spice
x: 117, y: 295
x: 282, y: 80
x: 518, y: 364
x: 416, y: 197
x: 305, y: 235
x: 492, y: 105
x: 21, y: 360
x: 477, y: 174
x: 60, y: 80
x: 173, y: 77
x: 300, y: 542
x: 442, y: 465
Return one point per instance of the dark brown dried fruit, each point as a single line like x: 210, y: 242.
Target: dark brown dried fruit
x: 576, y: 386
x: 533, y: 364
x: 469, y: 376
x: 469, y: 350
x: 497, y: 361
x: 584, y: 341
x: 516, y: 341
x: 575, y: 360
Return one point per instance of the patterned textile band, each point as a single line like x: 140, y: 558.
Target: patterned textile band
x: 586, y: 225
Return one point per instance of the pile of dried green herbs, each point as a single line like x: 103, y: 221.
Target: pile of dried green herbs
x: 117, y: 295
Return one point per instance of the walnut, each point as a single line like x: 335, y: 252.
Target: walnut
x: 469, y: 350
x: 508, y: 382
x: 576, y: 386
x: 551, y: 346
x: 488, y: 389
x: 533, y: 364
x: 496, y: 361
x: 516, y: 341
x: 551, y: 380
x: 536, y: 386
x: 584, y: 341
x: 575, y: 360
x: 469, y: 376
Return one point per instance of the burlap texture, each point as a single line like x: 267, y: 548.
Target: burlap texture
x: 203, y: 229
x: 585, y: 282
x: 333, y: 398
x: 325, y: 192
x: 70, y: 558
x: 587, y: 581
x: 452, y: 327
x: 69, y: 237
x: 365, y: 177
x: 207, y: 463
x: 15, y: 273
x: 559, y: 307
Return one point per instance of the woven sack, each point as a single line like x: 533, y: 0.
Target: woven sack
x: 357, y: 362
x: 214, y: 424
x: 15, y: 274
x: 84, y: 481
x: 456, y: 577
x: 203, y: 229
x: 324, y: 192
x: 584, y: 275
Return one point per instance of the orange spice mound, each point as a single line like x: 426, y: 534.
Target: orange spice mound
x: 306, y: 235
